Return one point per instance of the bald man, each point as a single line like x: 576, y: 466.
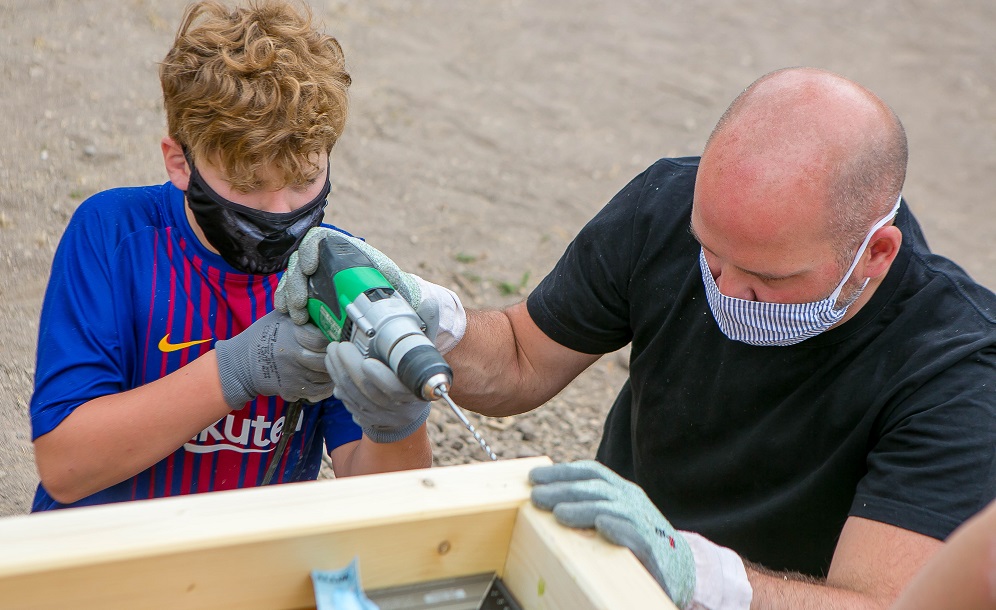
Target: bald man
x: 811, y: 390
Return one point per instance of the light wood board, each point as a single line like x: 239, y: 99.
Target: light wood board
x: 255, y: 548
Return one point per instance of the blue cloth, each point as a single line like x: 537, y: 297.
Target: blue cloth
x: 133, y: 296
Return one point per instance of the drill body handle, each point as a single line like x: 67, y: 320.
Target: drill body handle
x: 344, y: 273
x: 349, y: 299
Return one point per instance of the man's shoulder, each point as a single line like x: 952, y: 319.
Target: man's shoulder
x: 677, y: 170
x: 978, y: 300
x: 658, y: 202
x: 950, y: 289
x: 923, y: 281
x: 680, y: 163
x: 665, y: 185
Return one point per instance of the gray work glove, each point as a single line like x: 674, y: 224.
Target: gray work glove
x: 588, y: 495
x: 274, y: 357
x: 292, y: 291
x: 386, y: 410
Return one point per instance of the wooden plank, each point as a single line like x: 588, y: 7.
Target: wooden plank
x: 275, y: 573
x: 255, y: 548
x: 553, y: 567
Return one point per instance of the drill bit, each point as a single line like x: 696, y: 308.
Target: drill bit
x: 443, y: 393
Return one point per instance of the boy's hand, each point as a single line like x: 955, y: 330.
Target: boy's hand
x: 439, y: 308
x: 274, y: 357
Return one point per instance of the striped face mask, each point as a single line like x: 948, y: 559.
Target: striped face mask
x: 780, y: 324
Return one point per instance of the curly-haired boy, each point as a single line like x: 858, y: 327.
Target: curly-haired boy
x: 162, y: 369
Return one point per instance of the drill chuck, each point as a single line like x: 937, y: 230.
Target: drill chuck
x: 387, y: 328
x: 422, y: 367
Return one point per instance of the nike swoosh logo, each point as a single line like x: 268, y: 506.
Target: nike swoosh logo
x: 165, y: 346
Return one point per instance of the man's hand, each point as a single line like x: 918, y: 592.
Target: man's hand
x: 589, y: 495
x: 385, y: 409
x: 272, y: 357
x: 291, y: 296
x: 439, y: 308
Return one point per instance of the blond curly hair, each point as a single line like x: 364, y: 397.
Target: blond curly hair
x: 253, y: 87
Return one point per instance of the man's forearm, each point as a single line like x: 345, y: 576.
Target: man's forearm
x: 114, y: 437
x: 790, y: 591
x: 486, y: 367
x: 505, y: 365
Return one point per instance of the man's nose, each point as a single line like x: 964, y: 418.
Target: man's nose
x: 736, y: 284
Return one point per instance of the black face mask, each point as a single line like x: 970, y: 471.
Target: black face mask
x: 252, y: 241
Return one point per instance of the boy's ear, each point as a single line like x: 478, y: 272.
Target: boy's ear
x: 176, y: 163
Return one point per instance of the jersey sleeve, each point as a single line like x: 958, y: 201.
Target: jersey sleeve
x: 337, y: 424
x: 583, y: 304
x: 935, y: 466
x: 79, y: 355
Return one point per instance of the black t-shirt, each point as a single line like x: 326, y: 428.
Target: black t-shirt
x: 767, y: 450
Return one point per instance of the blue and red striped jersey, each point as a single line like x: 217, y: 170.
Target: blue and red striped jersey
x: 133, y: 296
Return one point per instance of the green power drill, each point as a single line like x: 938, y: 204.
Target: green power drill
x: 348, y: 292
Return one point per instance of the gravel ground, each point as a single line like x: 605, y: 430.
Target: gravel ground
x: 482, y: 136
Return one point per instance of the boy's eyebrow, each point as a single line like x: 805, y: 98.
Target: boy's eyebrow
x: 757, y: 274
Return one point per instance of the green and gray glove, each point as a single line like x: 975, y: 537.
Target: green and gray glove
x: 589, y: 495
x: 695, y: 572
x: 439, y: 308
x: 385, y: 409
x: 274, y: 357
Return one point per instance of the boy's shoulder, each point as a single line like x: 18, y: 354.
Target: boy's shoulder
x: 143, y: 204
x: 116, y: 213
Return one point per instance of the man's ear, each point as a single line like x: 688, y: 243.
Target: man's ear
x: 176, y: 163
x: 882, y: 250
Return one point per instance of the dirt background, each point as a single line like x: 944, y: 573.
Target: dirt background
x: 482, y: 136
